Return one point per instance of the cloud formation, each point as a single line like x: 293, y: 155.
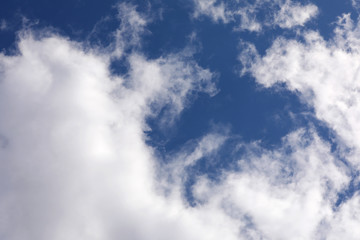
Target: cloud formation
x: 283, y: 13
x: 279, y: 194
x: 74, y: 158
x: 293, y: 14
x: 3, y: 25
x: 74, y: 163
x: 325, y: 74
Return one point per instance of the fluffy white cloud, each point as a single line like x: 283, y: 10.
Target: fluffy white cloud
x: 287, y: 193
x: 284, y: 13
x: 74, y: 163
x: 325, y: 74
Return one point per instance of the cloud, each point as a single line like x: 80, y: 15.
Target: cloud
x: 285, y: 14
x: 175, y: 173
x: 129, y: 28
x: 212, y: 9
x: 282, y: 193
x: 292, y: 14
x: 3, y: 25
x: 132, y: 27
x: 355, y: 4
x: 346, y: 220
x: 75, y: 163
x: 325, y: 73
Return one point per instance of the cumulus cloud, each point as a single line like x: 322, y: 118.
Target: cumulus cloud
x: 287, y: 193
x: 285, y: 14
x: 74, y: 163
x: 325, y: 74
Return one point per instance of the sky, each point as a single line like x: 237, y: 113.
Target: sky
x: 182, y: 120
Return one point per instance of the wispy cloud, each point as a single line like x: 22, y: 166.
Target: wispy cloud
x: 283, y: 13
x: 282, y: 193
x: 325, y: 75
x: 294, y: 14
x: 3, y: 25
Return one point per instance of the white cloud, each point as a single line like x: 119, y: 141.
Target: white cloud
x: 346, y: 221
x: 292, y: 14
x: 75, y: 163
x: 285, y: 13
x: 283, y: 196
x: 212, y: 9
x: 174, y: 174
x: 132, y: 27
x: 324, y: 73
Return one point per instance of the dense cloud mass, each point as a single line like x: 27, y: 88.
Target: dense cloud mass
x: 75, y: 163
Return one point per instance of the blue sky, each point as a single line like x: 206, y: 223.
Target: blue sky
x: 184, y: 119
